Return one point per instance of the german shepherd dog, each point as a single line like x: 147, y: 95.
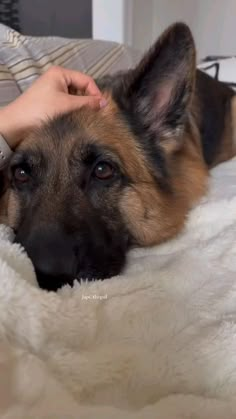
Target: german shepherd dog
x: 87, y: 186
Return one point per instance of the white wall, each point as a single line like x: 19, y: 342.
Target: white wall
x: 108, y: 20
x: 215, y: 26
x: 151, y: 17
x: 140, y: 22
x: 166, y: 12
x: 213, y: 22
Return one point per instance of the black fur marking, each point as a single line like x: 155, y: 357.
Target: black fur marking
x: 214, y: 100
x: 151, y: 150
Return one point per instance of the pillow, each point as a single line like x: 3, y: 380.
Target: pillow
x: 24, y: 58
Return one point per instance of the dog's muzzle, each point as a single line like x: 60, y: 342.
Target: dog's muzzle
x: 60, y: 258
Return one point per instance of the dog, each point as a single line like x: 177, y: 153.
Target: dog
x: 87, y: 186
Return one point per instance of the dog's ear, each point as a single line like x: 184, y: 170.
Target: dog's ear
x: 159, y: 90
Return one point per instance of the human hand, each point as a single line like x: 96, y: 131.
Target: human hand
x: 48, y: 96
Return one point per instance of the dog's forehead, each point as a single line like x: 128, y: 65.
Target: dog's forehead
x: 105, y: 126
x: 72, y: 133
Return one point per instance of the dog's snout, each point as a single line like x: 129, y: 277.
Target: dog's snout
x: 53, y: 256
x: 62, y: 254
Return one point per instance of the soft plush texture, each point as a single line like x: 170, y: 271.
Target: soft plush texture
x: 157, y: 342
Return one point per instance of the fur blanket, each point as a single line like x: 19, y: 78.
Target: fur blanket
x: 158, y: 342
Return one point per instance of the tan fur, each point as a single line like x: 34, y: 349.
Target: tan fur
x: 13, y: 209
x: 107, y: 128
x: 151, y: 214
x: 4, y: 217
x: 154, y: 216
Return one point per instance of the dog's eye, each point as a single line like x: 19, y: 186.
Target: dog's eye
x: 20, y: 175
x: 103, y: 171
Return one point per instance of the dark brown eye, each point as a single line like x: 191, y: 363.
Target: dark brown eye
x: 103, y: 171
x: 20, y: 175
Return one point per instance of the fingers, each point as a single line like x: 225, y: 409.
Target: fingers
x: 94, y: 102
x: 81, y: 82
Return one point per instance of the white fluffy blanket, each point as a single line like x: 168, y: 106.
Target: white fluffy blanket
x: 158, y: 342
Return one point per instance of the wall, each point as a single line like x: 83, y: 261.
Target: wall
x: 108, y: 20
x: 112, y: 20
x: 136, y: 22
x: 140, y: 22
x: 212, y: 22
x: 215, y: 26
x: 69, y: 18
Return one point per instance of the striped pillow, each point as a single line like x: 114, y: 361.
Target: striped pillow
x: 24, y: 58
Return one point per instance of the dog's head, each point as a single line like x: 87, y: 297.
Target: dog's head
x: 89, y: 184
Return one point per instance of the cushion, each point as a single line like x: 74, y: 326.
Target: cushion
x: 24, y: 58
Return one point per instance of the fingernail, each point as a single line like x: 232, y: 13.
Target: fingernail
x: 103, y: 103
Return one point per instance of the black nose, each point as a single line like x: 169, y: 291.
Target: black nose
x: 53, y: 256
x: 59, y: 257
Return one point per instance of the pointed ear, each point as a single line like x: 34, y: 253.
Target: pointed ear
x: 159, y: 90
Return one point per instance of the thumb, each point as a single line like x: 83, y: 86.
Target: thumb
x: 94, y: 102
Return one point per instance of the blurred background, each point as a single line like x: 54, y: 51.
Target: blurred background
x: 134, y: 22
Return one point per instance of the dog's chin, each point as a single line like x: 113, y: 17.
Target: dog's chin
x: 54, y: 283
